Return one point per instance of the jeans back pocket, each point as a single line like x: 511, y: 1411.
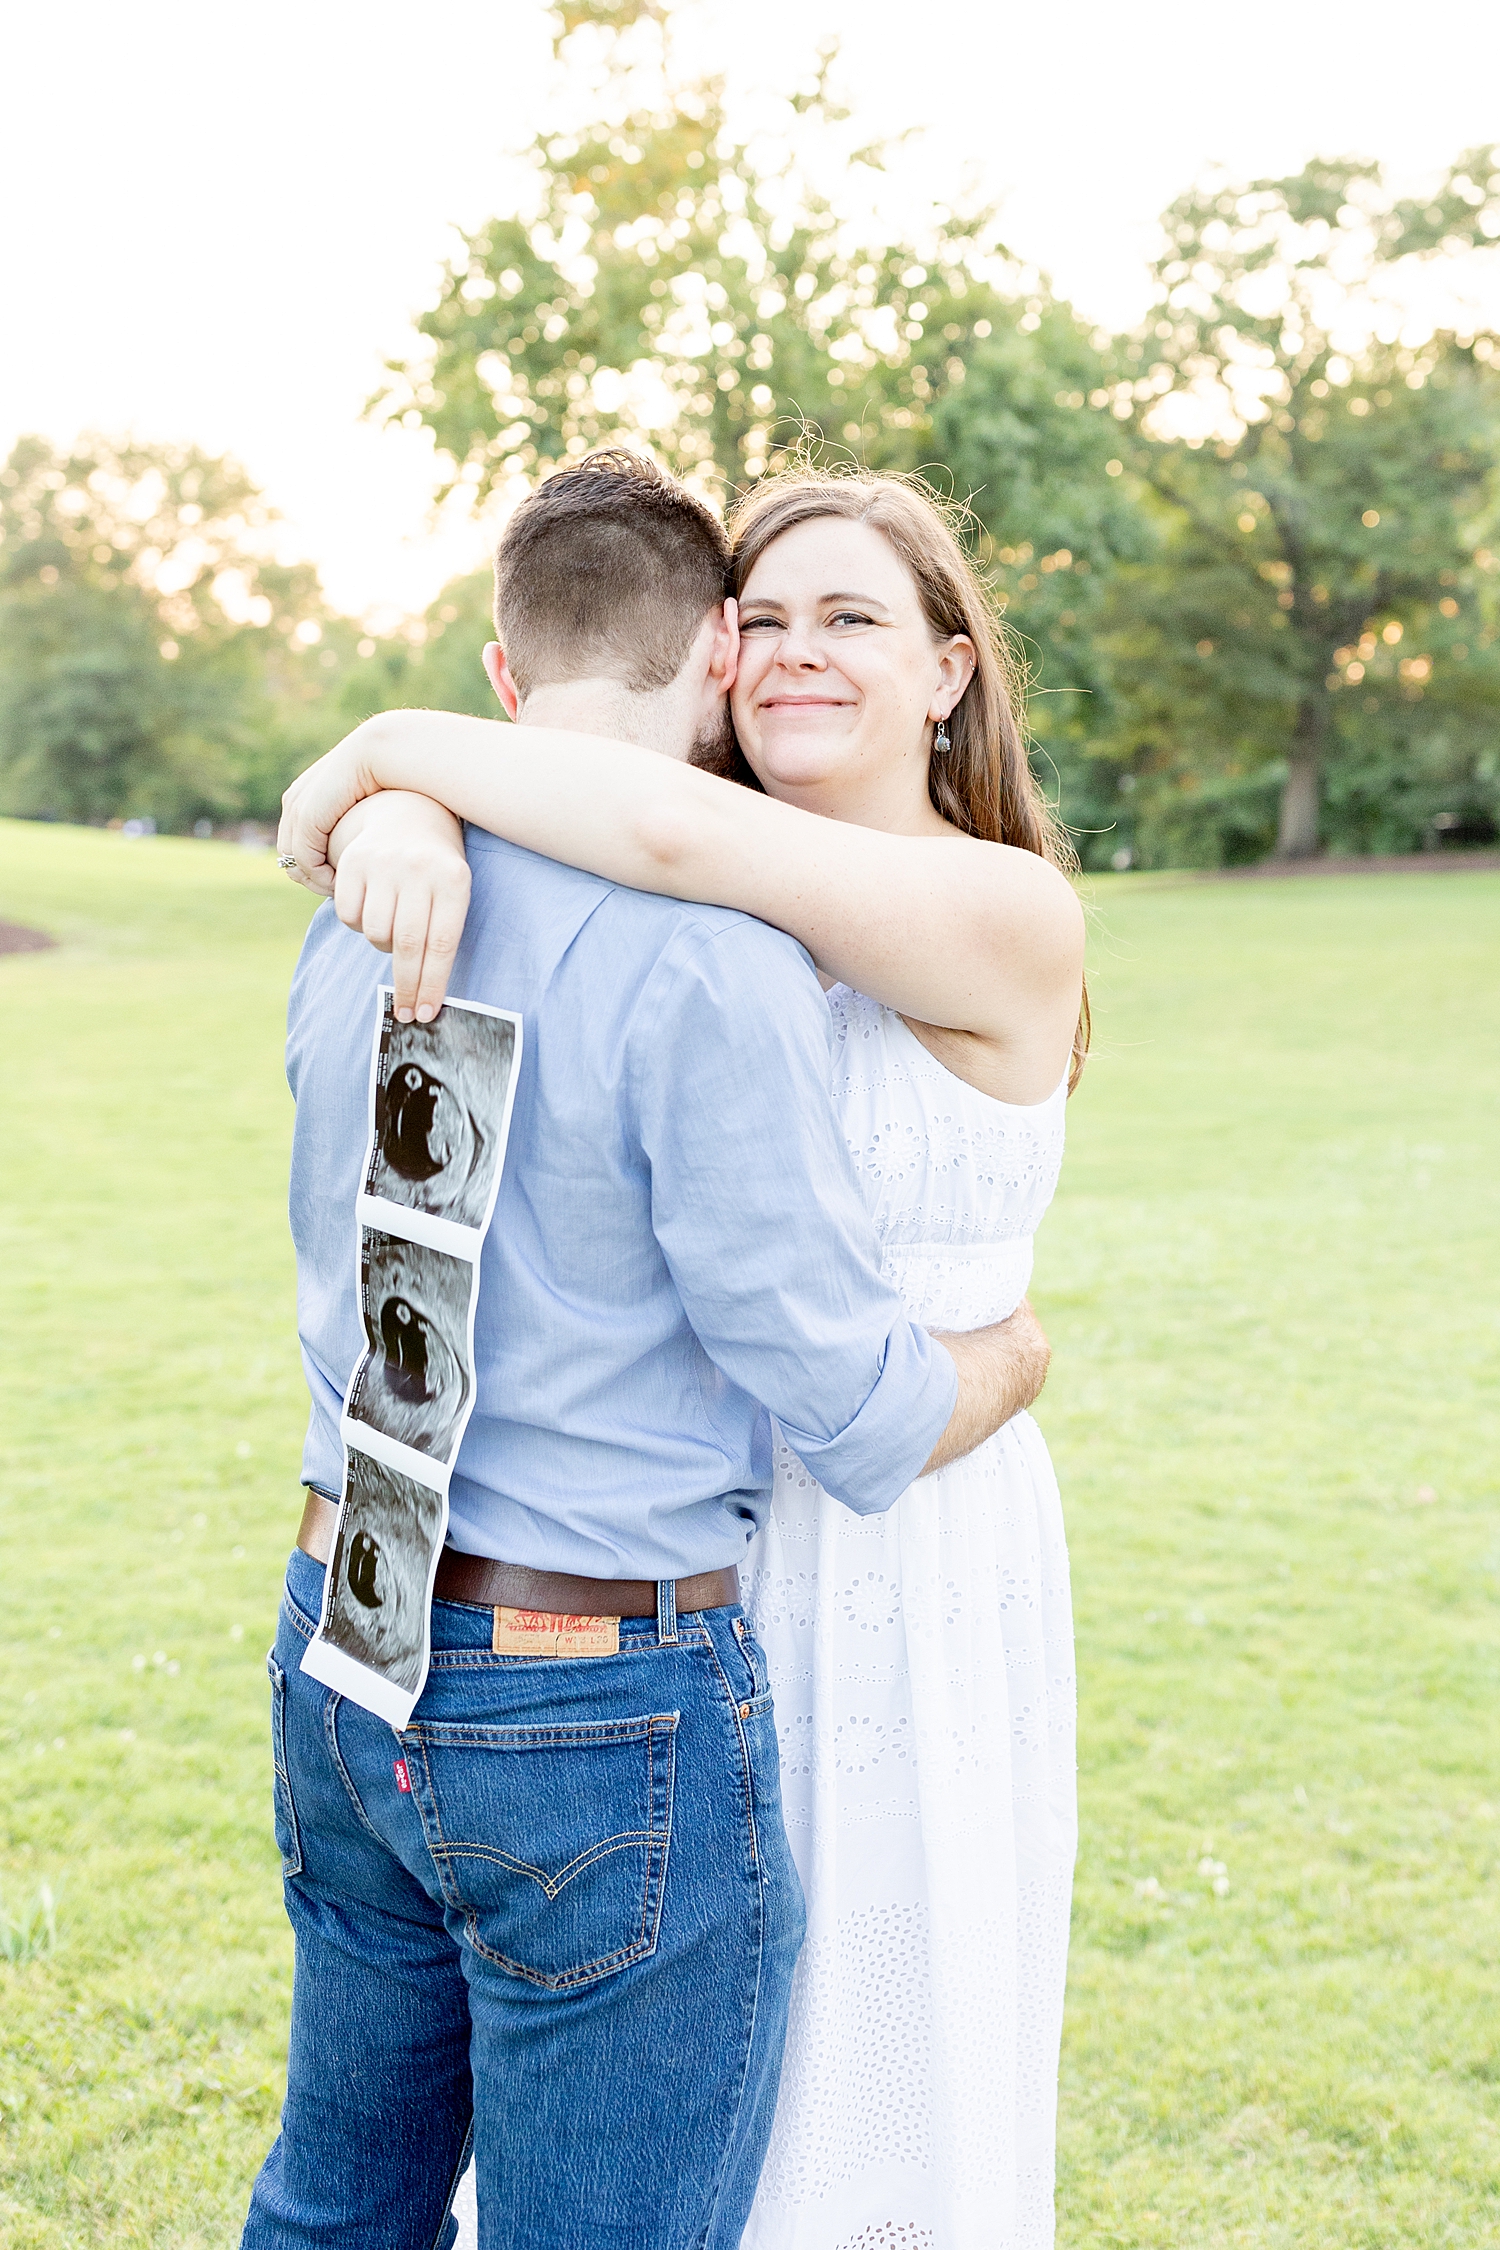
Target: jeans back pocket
x: 551, y: 1840
x: 288, y: 1835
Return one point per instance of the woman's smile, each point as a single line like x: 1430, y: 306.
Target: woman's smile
x: 787, y: 702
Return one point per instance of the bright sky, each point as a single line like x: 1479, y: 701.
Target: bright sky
x: 216, y: 222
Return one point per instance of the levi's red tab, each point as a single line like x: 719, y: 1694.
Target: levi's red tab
x: 403, y: 1778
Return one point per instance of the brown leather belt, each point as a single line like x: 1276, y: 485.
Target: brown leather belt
x: 503, y: 1585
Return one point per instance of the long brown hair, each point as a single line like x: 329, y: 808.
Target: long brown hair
x: 983, y: 783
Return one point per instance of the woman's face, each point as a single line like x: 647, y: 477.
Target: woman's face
x: 840, y: 678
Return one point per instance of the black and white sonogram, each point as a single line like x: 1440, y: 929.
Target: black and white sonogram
x: 440, y: 1096
x: 377, y: 1594
x: 413, y: 1383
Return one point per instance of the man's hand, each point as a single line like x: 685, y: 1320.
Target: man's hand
x: 403, y: 882
x: 1000, y: 1371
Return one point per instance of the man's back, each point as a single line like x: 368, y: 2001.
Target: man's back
x: 677, y: 1237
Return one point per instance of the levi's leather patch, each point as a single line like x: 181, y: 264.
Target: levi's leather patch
x: 549, y: 1632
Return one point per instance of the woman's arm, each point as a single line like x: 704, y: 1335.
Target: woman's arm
x: 977, y: 938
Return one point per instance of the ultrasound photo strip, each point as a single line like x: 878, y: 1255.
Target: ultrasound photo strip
x: 441, y: 1096
x: 413, y: 1383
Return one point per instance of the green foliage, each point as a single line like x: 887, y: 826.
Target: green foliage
x: 435, y: 665
x: 1014, y: 420
x: 1278, y: 1473
x: 1320, y: 617
x: 156, y: 659
x: 146, y: 639
x: 673, y: 283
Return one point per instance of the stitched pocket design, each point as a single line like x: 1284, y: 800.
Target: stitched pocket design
x: 753, y: 1657
x: 288, y: 1835
x: 553, y: 1840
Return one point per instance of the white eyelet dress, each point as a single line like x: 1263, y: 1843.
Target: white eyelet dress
x: 922, y: 1662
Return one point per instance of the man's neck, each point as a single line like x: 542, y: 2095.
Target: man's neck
x: 608, y: 707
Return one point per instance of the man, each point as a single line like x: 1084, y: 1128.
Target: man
x: 559, y: 1906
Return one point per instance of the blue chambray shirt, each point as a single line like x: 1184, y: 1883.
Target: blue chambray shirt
x: 679, y: 1242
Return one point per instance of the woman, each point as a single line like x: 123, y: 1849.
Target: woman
x: 922, y: 1660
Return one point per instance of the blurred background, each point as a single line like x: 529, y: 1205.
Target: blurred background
x: 1196, y: 310
x: 1197, y: 314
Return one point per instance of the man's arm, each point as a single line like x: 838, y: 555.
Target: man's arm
x: 757, y: 1210
x: 1001, y: 1370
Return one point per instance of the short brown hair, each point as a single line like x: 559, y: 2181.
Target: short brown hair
x: 607, y: 570
x: 983, y: 783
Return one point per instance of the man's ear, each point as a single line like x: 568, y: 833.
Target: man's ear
x: 724, y: 662
x: 498, y: 673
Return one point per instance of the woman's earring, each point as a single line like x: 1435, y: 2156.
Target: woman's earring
x: 940, y: 742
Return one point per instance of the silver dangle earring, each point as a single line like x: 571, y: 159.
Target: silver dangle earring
x: 940, y: 743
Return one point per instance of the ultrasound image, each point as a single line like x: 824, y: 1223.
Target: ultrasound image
x: 377, y: 1596
x: 440, y: 1095
x: 413, y: 1383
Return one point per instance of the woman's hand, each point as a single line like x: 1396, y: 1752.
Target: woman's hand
x: 314, y: 805
x: 403, y: 882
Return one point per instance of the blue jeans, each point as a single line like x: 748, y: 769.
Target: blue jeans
x: 556, y: 1918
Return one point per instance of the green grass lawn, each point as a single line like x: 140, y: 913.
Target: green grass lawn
x: 1271, y: 1283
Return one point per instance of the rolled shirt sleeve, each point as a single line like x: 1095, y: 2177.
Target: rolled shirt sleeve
x: 760, y: 1218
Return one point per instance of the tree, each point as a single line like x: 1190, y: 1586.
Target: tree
x: 96, y: 723
x: 435, y: 663
x: 674, y: 284
x: 1320, y: 616
x: 1015, y: 418
x: 145, y: 635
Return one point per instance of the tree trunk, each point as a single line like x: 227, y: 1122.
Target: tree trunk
x: 1297, y: 836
